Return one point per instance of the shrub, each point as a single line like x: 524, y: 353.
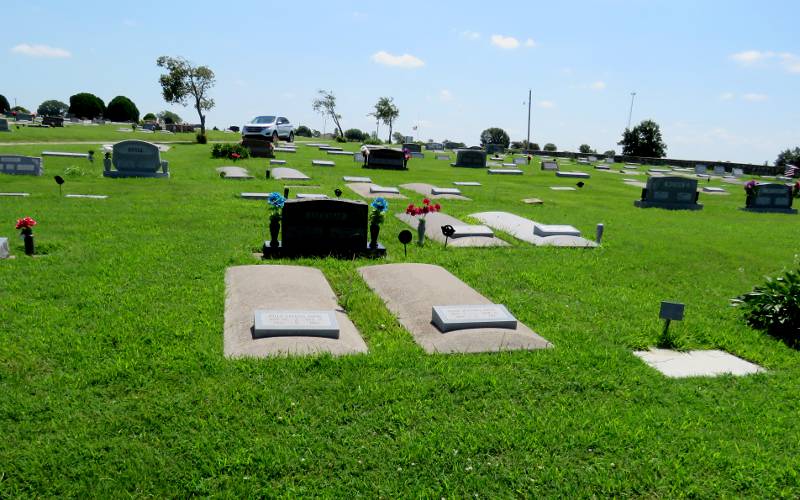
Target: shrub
x: 202, y: 139
x: 303, y: 131
x: 372, y: 141
x: 550, y: 147
x: 339, y: 138
x: 775, y: 307
x: 354, y: 135
x: 122, y: 109
x: 149, y: 117
x: 52, y: 108
x: 227, y: 150
x: 86, y: 105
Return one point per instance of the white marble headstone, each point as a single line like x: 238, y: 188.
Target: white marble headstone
x: 287, y: 323
x: 461, y: 317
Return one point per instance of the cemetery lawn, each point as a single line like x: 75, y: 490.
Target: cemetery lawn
x: 103, y: 133
x: 114, y: 383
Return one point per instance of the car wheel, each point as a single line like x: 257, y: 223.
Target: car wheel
x: 275, y: 137
x: 291, y: 136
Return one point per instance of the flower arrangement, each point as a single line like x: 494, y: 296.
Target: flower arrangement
x: 25, y: 224
x: 379, y: 207
x: 423, y: 210
x: 275, y: 202
x: 751, y: 188
x: 235, y: 156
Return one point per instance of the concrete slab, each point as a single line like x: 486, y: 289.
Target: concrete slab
x: 87, y: 196
x: 363, y: 189
x: 323, y: 163
x: 410, y: 292
x: 433, y: 230
x: 15, y: 194
x: 524, y: 229
x: 711, y: 363
x: 285, y: 150
x: 563, y: 188
x: 311, y: 196
x: 375, y: 189
x: 427, y: 190
x: 277, y: 162
x: 248, y: 288
x: 288, y: 173
x: 237, y: 173
x: 254, y: 196
x: 466, y: 183
x: 348, y: 178
x: 65, y: 154
x: 576, y: 175
x: 504, y: 171
x: 533, y: 201
x: 714, y: 190
x: 545, y: 230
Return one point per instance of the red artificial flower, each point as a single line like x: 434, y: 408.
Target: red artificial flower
x: 236, y: 155
x: 426, y: 201
x: 426, y: 209
x: 418, y: 211
x: 437, y: 207
x: 25, y: 223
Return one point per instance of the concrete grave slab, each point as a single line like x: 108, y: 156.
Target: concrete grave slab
x: 504, y: 171
x: 237, y: 173
x: 602, y: 167
x: 347, y: 178
x: 466, y: 231
x: 440, y: 190
x: 273, y: 161
x: 254, y: 196
x: 545, y: 230
x: 363, y: 189
x: 466, y: 183
x: 411, y: 291
x: 433, y: 230
x: 15, y: 194
x: 87, y: 196
x: 714, y: 190
x: 285, y: 150
x: 289, y: 174
x: 375, y: 189
x: 282, y: 288
x: 577, y: 175
x: 512, y: 165
x: 341, y: 153
x: 311, y: 196
x: 533, y: 201
x: 712, y: 363
x: 65, y: 154
x: 563, y: 188
x: 525, y: 230
x: 323, y: 163
x: 428, y: 190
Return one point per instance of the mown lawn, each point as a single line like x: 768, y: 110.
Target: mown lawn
x: 106, y: 133
x: 114, y: 383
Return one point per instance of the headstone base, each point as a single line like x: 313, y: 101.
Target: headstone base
x: 270, y: 252
x: 667, y: 206
x: 771, y: 210
x: 117, y: 174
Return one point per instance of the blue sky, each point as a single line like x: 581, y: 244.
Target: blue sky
x: 720, y: 77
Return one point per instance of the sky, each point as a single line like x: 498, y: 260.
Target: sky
x: 720, y: 77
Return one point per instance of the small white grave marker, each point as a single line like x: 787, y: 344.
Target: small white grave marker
x: 438, y: 190
x: 462, y: 317
x: 382, y: 189
x: 287, y: 323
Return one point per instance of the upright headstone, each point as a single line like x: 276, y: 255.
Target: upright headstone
x: 470, y: 158
x: 23, y: 117
x: 4, y: 125
x: 719, y: 170
x: 4, y: 251
x: 53, y: 121
x: 136, y: 159
x: 412, y: 147
x: 673, y: 193
x: 386, y: 158
x: 495, y: 149
x: 770, y: 197
x: 258, y: 148
x: 434, y: 146
x: 549, y: 165
x: 323, y: 227
x: 21, y: 165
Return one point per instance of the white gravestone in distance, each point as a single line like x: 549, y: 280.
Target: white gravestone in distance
x: 286, y: 323
x: 323, y: 163
x: 466, y: 183
x: 504, y: 171
x: 477, y: 230
x: 347, y: 178
x: 449, y: 318
x: 383, y: 189
x: 136, y: 159
x: 438, y: 190
x: 4, y: 252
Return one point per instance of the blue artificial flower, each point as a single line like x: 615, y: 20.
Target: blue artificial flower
x: 380, y: 204
x: 276, y: 200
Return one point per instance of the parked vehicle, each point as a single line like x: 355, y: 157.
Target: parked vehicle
x: 269, y: 127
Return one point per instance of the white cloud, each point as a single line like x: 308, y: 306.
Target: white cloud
x: 505, y: 42
x: 530, y: 43
x: 403, y: 61
x: 749, y: 57
x: 40, y: 51
x: 727, y: 96
x: 470, y: 35
x: 445, y: 95
x: 359, y: 16
x: 789, y: 61
x: 752, y: 97
x: 546, y: 104
x: 598, y: 85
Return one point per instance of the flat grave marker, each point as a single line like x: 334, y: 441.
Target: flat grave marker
x: 466, y: 183
x: 348, y: 178
x: 234, y: 173
x: 504, y: 171
x: 449, y: 318
x: 322, y: 163
x: 289, y: 174
x: 712, y: 363
x: 576, y: 175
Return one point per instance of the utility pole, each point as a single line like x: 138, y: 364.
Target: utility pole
x: 528, y: 144
x: 630, y: 113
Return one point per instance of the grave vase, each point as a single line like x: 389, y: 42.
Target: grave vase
x: 27, y: 237
x: 421, y: 232
x: 274, y: 230
x: 374, y: 230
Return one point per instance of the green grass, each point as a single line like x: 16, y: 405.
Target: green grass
x: 113, y: 381
x: 103, y: 133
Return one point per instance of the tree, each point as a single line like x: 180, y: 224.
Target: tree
x: 122, y: 109
x: 586, y: 149
x: 52, y: 108
x: 788, y: 157
x: 20, y: 109
x: 302, y: 131
x: 184, y: 82
x: 644, y: 140
x: 387, y: 112
x: 610, y: 152
x: 535, y: 147
x: 149, y: 117
x: 355, y: 135
x: 550, y: 147
x: 169, y: 117
x: 495, y: 135
x: 325, y: 104
x: 5, y: 107
x: 86, y: 105
x: 398, y: 138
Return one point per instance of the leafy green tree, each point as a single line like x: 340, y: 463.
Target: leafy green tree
x: 325, y: 104
x: 550, y: 147
x: 535, y: 147
x: 302, y: 131
x: 387, y: 112
x: 788, y: 157
x: 169, y: 117
x: 184, y: 82
x: 86, y: 105
x: 20, y: 109
x: 398, y: 138
x: 122, y: 109
x: 149, y: 117
x: 585, y: 149
x: 495, y: 135
x: 52, y: 108
x: 644, y: 140
x: 354, y: 135
x: 610, y: 152
x: 5, y: 107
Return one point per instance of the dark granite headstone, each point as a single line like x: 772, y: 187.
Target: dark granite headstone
x: 673, y: 193
x: 472, y: 158
x: 53, y: 121
x: 386, y: 158
x: 323, y: 227
x: 259, y: 148
x: 413, y: 147
x: 4, y: 125
x: 771, y: 198
x: 21, y: 165
x: 23, y: 117
x: 434, y: 146
x: 452, y: 145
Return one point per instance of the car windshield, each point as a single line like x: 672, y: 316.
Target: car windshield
x: 263, y: 119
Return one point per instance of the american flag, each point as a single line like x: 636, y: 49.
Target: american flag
x: 792, y: 171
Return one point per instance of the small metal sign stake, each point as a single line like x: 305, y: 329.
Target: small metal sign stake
x: 670, y: 311
x: 405, y: 238
x: 599, y: 236
x: 286, y: 193
x: 447, y: 231
x: 337, y: 192
x: 59, y: 180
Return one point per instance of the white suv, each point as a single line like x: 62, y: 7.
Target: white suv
x: 269, y: 127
